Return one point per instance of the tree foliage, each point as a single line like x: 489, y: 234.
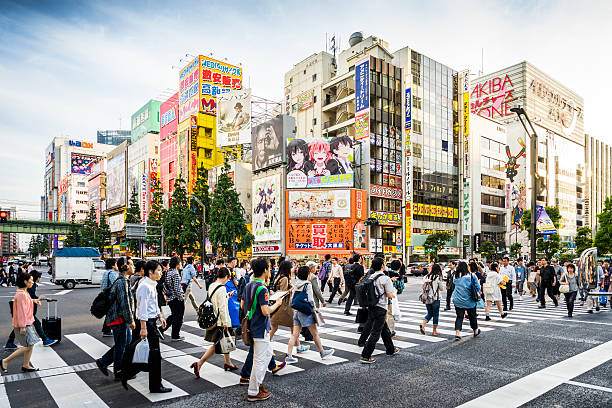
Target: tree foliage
x: 553, y: 213
x: 549, y: 246
x: 583, y: 239
x: 202, y: 192
x: 39, y: 245
x: 73, y: 239
x: 178, y: 221
x: 95, y: 234
x: 603, y: 236
x: 437, y: 241
x: 155, y: 217
x: 132, y: 216
x: 227, y: 224
x: 515, y: 249
x: 488, y: 250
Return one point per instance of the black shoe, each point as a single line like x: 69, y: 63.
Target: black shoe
x: 124, y: 381
x: 541, y: 307
x: 340, y: 301
x: 477, y: 333
x: 504, y: 315
x: 597, y: 308
x: 28, y: 370
x: 505, y: 309
x: 360, y: 344
x: 589, y: 311
x: 161, y: 390
x: 446, y: 308
x: 348, y: 314
x: 101, y: 367
x: 487, y: 318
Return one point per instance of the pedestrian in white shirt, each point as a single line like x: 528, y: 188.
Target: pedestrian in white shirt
x: 147, y: 313
x: 508, y: 270
x: 337, y: 277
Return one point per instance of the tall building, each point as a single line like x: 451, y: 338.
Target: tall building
x: 145, y: 120
x: 9, y: 242
x: 557, y: 114
x: 114, y: 137
x: 68, y: 166
x: 598, y: 179
x: 168, y: 155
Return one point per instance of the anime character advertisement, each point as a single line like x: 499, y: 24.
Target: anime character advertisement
x: 266, y: 208
x: 320, y: 163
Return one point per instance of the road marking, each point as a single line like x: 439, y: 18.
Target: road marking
x: 4, y: 401
x: 68, y: 390
x: 63, y: 292
x: 591, y: 386
x: 95, y: 349
x: 338, y: 345
x: 309, y: 355
x: 532, y: 386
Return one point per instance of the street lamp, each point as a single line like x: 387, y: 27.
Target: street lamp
x: 203, y: 244
x: 520, y: 112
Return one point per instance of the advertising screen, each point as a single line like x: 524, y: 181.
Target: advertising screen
x: 234, y: 118
x: 267, y: 140
x: 82, y: 163
x: 115, y: 182
x: 319, y: 204
x: 320, y: 163
x: 266, y: 208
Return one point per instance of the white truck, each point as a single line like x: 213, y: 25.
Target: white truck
x: 76, y: 265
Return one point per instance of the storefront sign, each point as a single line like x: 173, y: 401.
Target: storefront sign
x: 116, y: 222
x: 467, y: 209
x: 217, y: 78
x: 385, y: 192
x: 266, y: 249
x: 266, y: 201
x: 143, y: 197
x: 234, y: 118
x: 387, y: 218
x: 362, y: 98
x: 319, y: 204
x: 466, y: 121
x: 493, y: 98
x: 319, y: 235
x: 189, y: 100
x: 77, y: 143
x: 408, y: 110
x: 63, y: 186
x: 408, y: 224
x: 154, y: 178
x: 435, y: 211
x: 392, y: 249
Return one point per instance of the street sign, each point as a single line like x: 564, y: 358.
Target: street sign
x: 466, y: 241
x: 135, y: 231
x: 477, y: 242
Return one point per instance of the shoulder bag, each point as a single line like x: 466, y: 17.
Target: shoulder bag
x: 247, y: 335
x: 564, y: 287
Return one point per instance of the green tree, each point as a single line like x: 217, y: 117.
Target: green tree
x: 603, y: 236
x: 553, y: 213
x: 90, y: 227
x: 227, y: 224
x: 202, y: 192
x: 34, y: 246
x: 155, y: 217
x: 583, y: 239
x: 73, y: 238
x: 515, y: 249
x: 488, y: 250
x: 437, y: 241
x: 566, y: 256
x: 178, y: 221
x: 133, y: 217
x: 103, y: 236
x: 549, y: 246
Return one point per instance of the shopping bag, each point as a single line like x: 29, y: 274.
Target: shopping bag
x: 141, y: 353
x: 362, y: 315
x: 395, y: 309
x: 227, y: 342
x: 319, y: 318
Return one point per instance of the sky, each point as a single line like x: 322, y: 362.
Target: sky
x: 70, y: 68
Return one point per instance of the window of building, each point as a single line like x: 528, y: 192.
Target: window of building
x: 492, y: 219
x: 314, y: 77
x: 445, y: 145
x: 156, y: 149
x: 81, y: 184
x: 491, y: 163
x: 492, y: 145
x: 493, y: 201
x: 208, y: 153
x: 314, y: 99
x: 314, y: 121
x: 492, y: 182
x: 171, y: 185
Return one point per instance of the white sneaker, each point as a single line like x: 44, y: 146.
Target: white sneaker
x: 327, y: 353
x: 303, y: 348
x: 290, y: 359
x: 521, y: 297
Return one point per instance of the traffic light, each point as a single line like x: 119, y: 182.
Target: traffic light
x: 371, y: 222
x: 3, y: 216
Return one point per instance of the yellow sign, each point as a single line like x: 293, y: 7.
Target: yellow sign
x: 466, y: 114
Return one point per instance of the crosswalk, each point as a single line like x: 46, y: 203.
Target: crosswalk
x: 68, y: 376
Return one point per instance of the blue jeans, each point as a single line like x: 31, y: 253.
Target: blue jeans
x: 248, y: 364
x: 122, y: 336
x: 433, y: 310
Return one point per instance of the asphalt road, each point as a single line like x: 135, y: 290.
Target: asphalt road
x: 533, y: 358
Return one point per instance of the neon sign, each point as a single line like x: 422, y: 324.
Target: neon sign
x: 493, y: 97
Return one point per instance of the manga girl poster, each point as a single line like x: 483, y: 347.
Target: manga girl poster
x: 266, y: 208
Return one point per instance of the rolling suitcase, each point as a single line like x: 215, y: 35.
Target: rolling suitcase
x: 52, y: 326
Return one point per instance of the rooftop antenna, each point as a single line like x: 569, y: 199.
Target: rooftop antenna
x: 333, y: 47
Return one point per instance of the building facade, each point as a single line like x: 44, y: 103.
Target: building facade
x: 9, y: 242
x: 145, y: 120
x: 598, y: 179
x: 114, y: 137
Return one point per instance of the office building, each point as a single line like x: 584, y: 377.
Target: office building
x: 114, y: 137
x: 598, y: 179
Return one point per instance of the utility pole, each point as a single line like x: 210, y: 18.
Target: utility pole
x: 520, y: 112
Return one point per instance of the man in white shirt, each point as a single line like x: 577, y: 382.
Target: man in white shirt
x: 337, y: 277
x: 506, y: 269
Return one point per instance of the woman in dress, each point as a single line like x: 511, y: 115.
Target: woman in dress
x: 492, y: 291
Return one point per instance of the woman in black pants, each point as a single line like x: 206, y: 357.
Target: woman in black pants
x: 569, y: 278
x: 462, y: 299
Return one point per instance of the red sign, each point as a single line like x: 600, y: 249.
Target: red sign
x: 63, y: 186
x: 385, y: 192
x: 266, y: 249
x: 319, y: 235
x: 493, y: 98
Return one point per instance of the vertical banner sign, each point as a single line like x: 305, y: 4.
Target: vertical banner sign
x: 154, y: 179
x: 408, y: 146
x: 466, y: 119
x: 467, y: 208
x: 189, y: 100
x: 143, y: 203
x: 193, y: 165
x: 362, y: 98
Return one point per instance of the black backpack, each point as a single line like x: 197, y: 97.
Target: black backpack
x: 366, y: 292
x: 102, y: 303
x: 349, y: 277
x: 207, y: 319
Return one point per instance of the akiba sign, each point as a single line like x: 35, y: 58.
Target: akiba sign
x: 493, y: 98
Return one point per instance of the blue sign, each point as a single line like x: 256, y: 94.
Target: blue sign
x: 362, y: 86
x: 408, y: 108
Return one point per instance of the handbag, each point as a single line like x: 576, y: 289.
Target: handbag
x: 481, y: 304
x: 300, y: 302
x: 227, y: 342
x: 319, y: 318
x: 473, y: 291
x: 362, y: 315
x: 564, y: 286
x: 141, y: 352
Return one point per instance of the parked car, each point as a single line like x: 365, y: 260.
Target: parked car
x: 417, y: 269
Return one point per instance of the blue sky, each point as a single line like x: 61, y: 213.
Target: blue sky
x: 73, y: 67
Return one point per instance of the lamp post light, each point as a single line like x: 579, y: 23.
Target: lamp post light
x: 520, y: 112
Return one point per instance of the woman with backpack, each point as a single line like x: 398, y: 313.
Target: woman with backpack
x: 464, y: 300
x: 432, y: 286
x: 301, y: 318
x: 492, y: 291
x: 218, y: 296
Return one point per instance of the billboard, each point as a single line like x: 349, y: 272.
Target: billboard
x: 189, y: 90
x: 116, y: 222
x: 319, y: 204
x: 216, y: 78
x: 82, y: 163
x: 319, y: 235
x: 320, y: 163
x: 387, y: 218
x: 115, y: 182
x: 305, y: 100
x: 267, y: 141
x: 266, y: 208
x: 362, y: 98
x: 146, y: 120
x: 234, y: 118
x: 168, y: 113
